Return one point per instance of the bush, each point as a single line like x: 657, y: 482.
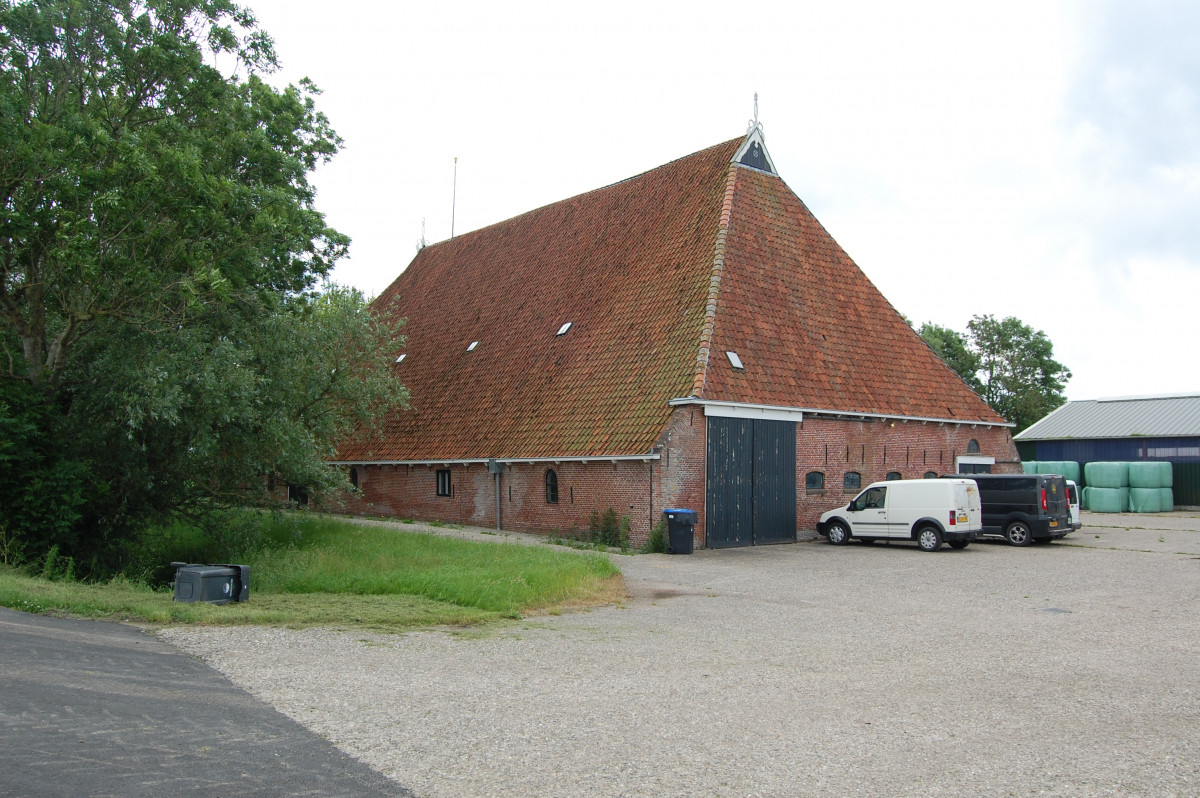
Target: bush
x: 45, y: 491
x: 657, y: 542
x: 607, y: 530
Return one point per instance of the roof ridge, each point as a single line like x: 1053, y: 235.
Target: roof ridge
x: 714, y: 284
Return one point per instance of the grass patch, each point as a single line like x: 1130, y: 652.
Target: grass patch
x: 319, y: 571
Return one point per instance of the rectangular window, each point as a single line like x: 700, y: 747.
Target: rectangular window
x: 443, y: 482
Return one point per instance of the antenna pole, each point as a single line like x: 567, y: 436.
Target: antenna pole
x: 454, y: 197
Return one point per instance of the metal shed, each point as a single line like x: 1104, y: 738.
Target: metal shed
x: 1129, y: 428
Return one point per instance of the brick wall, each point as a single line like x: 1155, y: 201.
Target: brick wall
x: 411, y: 492
x: 874, y: 448
x: 640, y: 490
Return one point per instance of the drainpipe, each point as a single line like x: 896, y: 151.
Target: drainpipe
x: 496, y: 467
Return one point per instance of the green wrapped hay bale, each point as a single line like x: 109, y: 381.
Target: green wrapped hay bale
x: 1144, y: 500
x: 1029, y: 466
x: 1150, y: 474
x: 1106, y: 475
x: 1108, y: 500
x: 1166, y: 500
x: 1068, y: 469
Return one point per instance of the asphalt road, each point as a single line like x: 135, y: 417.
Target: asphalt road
x: 101, y: 709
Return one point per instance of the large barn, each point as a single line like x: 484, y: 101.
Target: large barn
x: 691, y: 337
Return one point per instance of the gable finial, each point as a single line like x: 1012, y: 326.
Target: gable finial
x: 754, y: 124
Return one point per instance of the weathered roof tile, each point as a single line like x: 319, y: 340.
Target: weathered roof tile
x: 659, y: 275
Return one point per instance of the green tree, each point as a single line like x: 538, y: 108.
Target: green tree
x: 953, y: 349
x: 137, y: 180
x: 1021, y: 379
x: 166, y: 341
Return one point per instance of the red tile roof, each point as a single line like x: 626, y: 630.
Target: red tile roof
x: 647, y: 271
x: 810, y: 327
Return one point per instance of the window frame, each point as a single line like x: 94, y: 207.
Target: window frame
x: 445, y: 484
x: 811, y: 488
x: 551, y: 480
x: 847, y: 487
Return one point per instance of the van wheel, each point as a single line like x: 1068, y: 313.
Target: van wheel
x: 839, y: 533
x: 929, y: 538
x: 1017, y: 534
x: 959, y: 544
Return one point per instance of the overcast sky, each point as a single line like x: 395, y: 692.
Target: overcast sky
x: 1030, y: 159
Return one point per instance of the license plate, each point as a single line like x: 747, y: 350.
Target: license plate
x: 1053, y: 523
x: 962, y: 518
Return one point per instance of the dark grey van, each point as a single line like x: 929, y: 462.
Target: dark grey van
x: 1023, y: 508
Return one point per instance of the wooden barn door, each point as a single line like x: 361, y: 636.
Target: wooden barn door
x: 750, y: 482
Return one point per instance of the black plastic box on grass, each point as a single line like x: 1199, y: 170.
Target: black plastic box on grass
x: 680, y: 524
x: 214, y: 584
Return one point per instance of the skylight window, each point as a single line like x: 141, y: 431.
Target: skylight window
x: 401, y: 358
x: 563, y: 329
x: 735, y: 361
x: 471, y: 348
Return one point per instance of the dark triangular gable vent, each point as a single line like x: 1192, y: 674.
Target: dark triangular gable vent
x: 753, y: 153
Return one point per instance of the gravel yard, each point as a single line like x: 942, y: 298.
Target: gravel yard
x: 1064, y: 669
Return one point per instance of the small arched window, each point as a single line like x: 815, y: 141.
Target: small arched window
x: 931, y: 475
x: 894, y: 475
x: 551, y: 486
x: 973, y: 447
x: 814, y: 481
x: 354, y: 476
x: 852, y: 481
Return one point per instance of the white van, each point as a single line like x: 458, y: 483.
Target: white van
x: 928, y: 511
x: 1073, y: 505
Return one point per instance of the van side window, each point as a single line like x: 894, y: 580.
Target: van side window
x: 871, y: 499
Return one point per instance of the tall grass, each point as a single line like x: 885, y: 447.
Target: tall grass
x: 315, y: 570
x: 333, y: 556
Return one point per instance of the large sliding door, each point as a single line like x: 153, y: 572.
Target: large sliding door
x: 750, y: 482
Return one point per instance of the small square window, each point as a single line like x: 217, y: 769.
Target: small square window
x: 443, y: 482
x: 735, y: 361
x: 400, y: 359
x: 852, y: 482
x: 471, y: 348
x: 814, y: 481
x: 563, y: 329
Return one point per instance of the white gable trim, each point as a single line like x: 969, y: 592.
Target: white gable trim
x: 736, y: 410
x: 755, y: 135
